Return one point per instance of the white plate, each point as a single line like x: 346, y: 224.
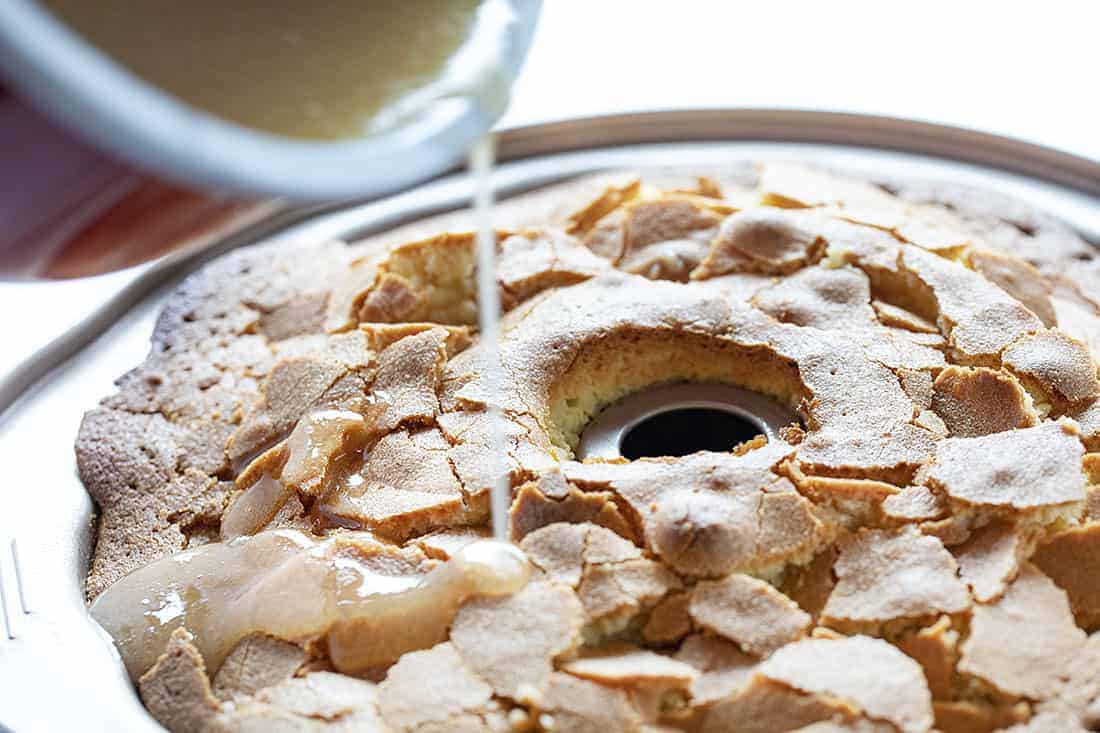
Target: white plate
x: 59, y: 673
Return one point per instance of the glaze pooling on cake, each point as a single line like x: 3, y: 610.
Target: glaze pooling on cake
x: 919, y: 551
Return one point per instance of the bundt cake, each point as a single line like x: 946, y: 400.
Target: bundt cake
x: 918, y: 550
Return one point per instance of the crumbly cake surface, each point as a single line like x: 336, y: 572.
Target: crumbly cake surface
x: 921, y: 552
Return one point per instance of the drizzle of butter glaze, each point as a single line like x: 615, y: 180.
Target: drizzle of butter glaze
x: 311, y: 459
x: 379, y: 630
x: 289, y: 585
x: 254, y: 507
x: 317, y: 443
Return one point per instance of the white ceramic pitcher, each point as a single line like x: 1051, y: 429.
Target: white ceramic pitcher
x: 79, y: 86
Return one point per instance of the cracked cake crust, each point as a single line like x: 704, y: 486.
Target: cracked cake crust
x: 939, y: 344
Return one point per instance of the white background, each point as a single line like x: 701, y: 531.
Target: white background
x: 1025, y: 69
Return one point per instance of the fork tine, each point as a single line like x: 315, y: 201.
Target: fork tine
x: 20, y: 585
x: 9, y: 630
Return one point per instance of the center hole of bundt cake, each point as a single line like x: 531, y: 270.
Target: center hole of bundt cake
x: 686, y: 430
x: 672, y: 420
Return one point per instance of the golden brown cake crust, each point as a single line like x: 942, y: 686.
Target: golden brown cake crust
x: 938, y: 343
